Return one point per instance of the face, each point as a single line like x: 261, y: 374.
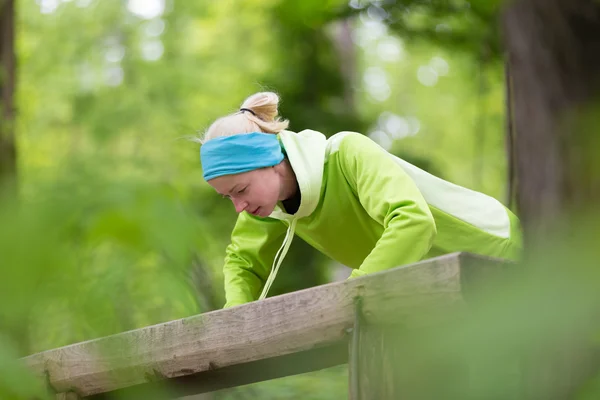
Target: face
x: 256, y: 192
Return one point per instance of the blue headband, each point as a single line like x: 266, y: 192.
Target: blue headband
x: 228, y: 155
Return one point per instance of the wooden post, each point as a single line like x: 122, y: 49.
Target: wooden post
x: 392, y: 359
x: 390, y: 368
x: 354, y: 352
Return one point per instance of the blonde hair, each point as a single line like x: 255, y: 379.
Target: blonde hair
x: 262, y: 118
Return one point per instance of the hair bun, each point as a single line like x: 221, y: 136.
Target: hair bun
x: 263, y: 105
x: 257, y: 113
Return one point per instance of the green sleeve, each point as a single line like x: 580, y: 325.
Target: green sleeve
x: 249, y: 257
x: 391, y: 198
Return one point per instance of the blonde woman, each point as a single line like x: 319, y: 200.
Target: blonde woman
x: 346, y: 196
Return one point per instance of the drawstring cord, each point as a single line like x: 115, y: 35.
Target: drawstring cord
x: 279, y: 258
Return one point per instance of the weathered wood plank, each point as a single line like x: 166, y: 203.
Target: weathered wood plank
x: 417, y: 295
x: 234, y: 375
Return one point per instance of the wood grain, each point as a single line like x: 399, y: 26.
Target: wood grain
x: 415, y: 296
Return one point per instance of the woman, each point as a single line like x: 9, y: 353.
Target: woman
x: 346, y: 196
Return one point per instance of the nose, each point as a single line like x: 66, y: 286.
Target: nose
x: 239, y: 205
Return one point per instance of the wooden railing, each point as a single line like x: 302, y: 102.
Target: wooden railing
x: 284, y: 335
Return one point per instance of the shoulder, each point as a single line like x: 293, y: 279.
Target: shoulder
x: 352, y: 144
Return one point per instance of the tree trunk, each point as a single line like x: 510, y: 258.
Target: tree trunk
x: 342, y: 40
x: 8, y: 154
x: 554, y: 59
x: 554, y: 56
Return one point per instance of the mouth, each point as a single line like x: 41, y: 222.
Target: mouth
x: 255, y: 212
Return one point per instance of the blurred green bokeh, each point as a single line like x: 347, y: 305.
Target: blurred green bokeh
x: 114, y: 228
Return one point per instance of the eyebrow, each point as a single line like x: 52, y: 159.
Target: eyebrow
x: 233, y: 188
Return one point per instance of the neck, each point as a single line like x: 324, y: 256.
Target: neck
x: 289, y: 182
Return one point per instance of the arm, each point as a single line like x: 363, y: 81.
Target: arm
x: 248, y: 258
x: 391, y: 198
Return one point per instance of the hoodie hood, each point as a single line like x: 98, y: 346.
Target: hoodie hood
x: 306, y: 153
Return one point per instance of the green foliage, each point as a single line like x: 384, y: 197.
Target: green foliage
x: 15, y: 381
x: 529, y: 333
x: 85, y: 248
x: 432, y: 103
x: 116, y: 230
x: 327, y: 384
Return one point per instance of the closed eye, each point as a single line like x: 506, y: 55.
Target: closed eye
x: 242, y: 190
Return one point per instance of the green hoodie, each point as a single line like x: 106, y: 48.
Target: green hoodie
x: 366, y: 209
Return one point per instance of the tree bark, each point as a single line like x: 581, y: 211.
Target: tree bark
x: 8, y: 154
x: 554, y: 54
x: 342, y: 39
x: 554, y: 58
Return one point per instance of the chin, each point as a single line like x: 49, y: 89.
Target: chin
x: 264, y: 212
x: 259, y: 212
